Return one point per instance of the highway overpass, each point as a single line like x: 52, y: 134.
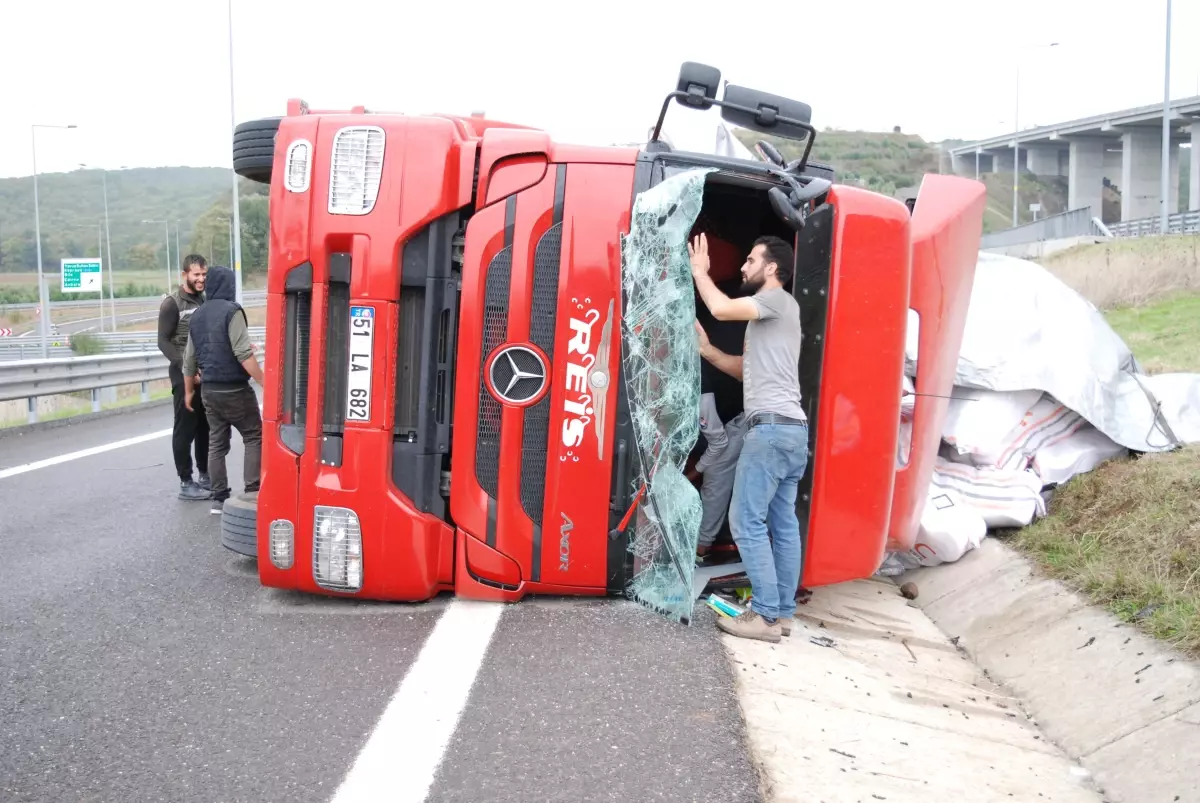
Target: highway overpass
x: 1123, y: 148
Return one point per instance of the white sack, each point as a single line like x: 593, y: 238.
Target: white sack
x: 1083, y: 451
x: 949, y: 529
x: 1000, y: 497
x: 978, y: 420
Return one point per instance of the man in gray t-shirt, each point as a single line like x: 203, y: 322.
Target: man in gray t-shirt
x: 774, y: 456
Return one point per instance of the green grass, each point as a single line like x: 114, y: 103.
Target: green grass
x: 1164, y: 336
x: 1127, y: 535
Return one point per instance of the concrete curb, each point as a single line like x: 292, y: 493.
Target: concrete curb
x: 1121, y: 703
x: 81, y: 418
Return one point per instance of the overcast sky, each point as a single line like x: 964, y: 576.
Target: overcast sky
x: 148, y: 82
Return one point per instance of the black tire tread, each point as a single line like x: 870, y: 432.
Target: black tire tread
x: 254, y: 149
x: 239, y: 520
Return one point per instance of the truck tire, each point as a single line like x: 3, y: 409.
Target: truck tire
x: 239, y: 519
x: 254, y: 149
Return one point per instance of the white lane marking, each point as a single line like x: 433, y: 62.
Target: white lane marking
x: 5, y: 473
x: 401, y: 757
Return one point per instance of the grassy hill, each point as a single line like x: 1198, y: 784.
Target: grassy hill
x: 882, y: 162
x: 71, y: 206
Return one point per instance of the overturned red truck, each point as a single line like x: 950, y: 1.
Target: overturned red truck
x: 446, y: 404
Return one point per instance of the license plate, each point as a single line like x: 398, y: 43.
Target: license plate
x: 358, y: 379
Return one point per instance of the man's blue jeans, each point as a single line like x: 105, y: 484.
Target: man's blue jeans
x: 773, y: 459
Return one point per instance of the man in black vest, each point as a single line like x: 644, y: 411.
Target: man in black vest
x: 219, y: 347
x: 191, y: 426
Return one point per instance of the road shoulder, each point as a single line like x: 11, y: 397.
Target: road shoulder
x: 1120, y: 702
x: 892, y: 710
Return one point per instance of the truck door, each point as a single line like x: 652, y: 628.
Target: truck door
x: 538, y: 351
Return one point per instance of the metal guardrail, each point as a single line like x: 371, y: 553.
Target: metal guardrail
x: 29, y: 379
x: 1072, y: 223
x: 1179, y: 223
x: 30, y: 348
x: 250, y: 297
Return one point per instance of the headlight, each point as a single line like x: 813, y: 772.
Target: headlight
x: 337, y: 549
x: 281, y: 544
x: 299, y: 166
x: 355, y: 170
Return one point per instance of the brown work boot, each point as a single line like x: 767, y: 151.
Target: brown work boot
x: 752, y: 626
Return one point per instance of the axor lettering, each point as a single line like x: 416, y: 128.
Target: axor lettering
x: 564, y: 543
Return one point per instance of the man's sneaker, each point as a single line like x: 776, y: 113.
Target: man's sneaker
x: 785, y: 626
x: 752, y: 626
x: 204, y: 482
x: 189, y: 490
x: 218, y: 507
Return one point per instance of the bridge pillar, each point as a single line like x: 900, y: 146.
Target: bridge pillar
x: 1002, y: 161
x: 1085, y: 176
x: 1044, y: 161
x: 1140, y: 171
x: 1194, y: 178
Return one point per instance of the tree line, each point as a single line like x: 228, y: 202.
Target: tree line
x: 195, y: 202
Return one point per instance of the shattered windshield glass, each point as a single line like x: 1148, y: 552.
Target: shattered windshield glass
x: 662, y: 375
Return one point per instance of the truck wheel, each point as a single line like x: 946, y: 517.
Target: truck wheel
x: 238, y: 521
x: 254, y: 149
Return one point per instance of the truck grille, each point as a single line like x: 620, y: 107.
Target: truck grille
x: 495, y: 331
x: 542, y: 328
x: 541, y: 334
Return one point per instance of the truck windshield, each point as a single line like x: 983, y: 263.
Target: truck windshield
x: 662, y: 374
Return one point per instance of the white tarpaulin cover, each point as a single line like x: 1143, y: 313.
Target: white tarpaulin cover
x: 1027, y: 330
x: 1044, y: 390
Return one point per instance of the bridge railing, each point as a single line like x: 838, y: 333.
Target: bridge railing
x: 1072, y: 223
x: 1179, y: 223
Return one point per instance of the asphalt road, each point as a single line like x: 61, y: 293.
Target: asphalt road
x: 139, y: 660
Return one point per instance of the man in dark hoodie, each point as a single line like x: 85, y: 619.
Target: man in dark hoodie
x: 191, y: 426
x: 219, y: 347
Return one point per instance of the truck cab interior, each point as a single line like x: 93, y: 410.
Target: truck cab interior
x: 741, y: 202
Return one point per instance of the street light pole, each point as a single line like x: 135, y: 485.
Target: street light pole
x: 99, y: 256
x: 167, y: 233
x: 112, y: 296
x: 230, y: 222
x: 237, y: 224
x: 1016, y: 140
x: 43, y: 296
x: 178, y: 253
x: 1164, y: 199
x: 1017, y: 131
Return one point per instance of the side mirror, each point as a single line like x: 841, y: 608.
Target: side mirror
x: 699, y: 83
x: 770, y: 153
x: 766, y: 113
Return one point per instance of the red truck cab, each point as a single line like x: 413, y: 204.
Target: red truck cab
x: 447, y: 406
